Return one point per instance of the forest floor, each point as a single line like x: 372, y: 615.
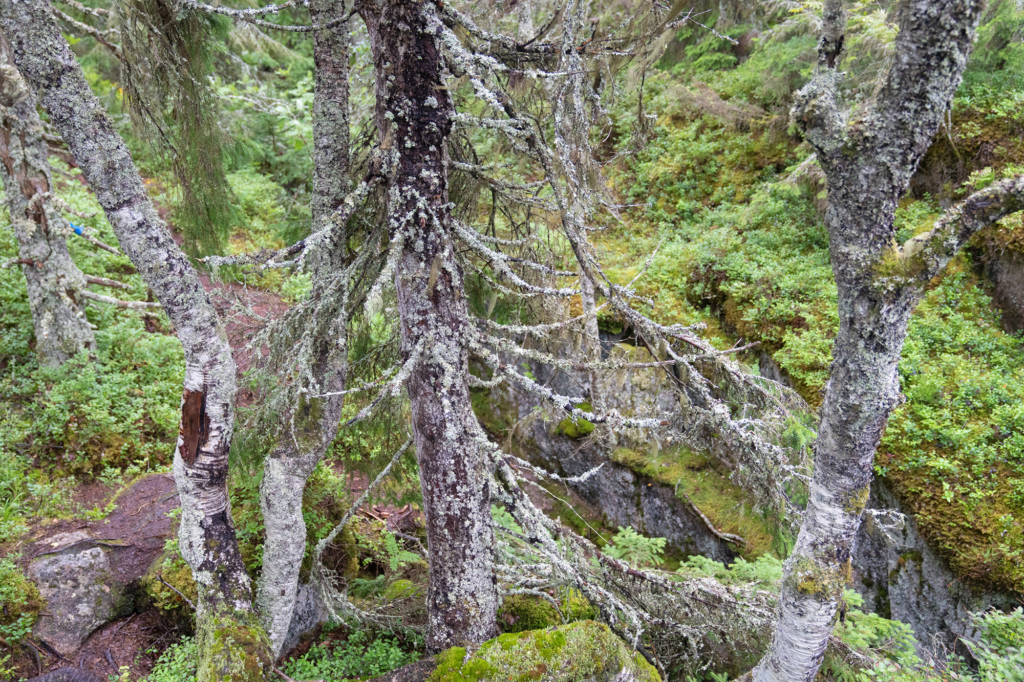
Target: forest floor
x: 140, y: 520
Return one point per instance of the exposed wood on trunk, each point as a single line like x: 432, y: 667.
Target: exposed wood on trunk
x: 231, y: 643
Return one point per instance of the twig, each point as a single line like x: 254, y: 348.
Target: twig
x: 130, y: 305
x: 126, y: 622
x: 104, y: 282
x: 160, y: 577
x: 728, y: 537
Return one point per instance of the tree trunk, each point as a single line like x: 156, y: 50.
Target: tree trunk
x: 51, y: 277
x: 315, y: 420
x: 414, y: 115
x: 862, y: 391
x: 868, y: 163
x: 232, y: 645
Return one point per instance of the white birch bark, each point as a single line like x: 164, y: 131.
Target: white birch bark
x: 869, y: 161
x: 231, y: 643
x: 315, y: 420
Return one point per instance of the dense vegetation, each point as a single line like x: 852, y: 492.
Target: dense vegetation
x: 723, y: 190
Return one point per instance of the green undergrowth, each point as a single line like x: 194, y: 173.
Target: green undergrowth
x: 112, y: 411
x: 361, y: 655
x: 998, y: 650
x: 695, y: 478
x: 358, y: 655
x: 955, y: 451
x: 20, y: 603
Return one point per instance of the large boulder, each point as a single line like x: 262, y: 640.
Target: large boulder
x: 586, y: 651
x: 902, y: 578
x: 78, y: 582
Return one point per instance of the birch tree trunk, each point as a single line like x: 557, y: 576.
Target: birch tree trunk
x: 869, y: 161
x: 315, y: 420
x: 51, y: 277
x: 232, y: 645
x: 414, y: 115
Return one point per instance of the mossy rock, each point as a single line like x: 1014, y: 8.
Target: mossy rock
x: 578, y: 652
x: 402, y: 589
x: 522, y: 612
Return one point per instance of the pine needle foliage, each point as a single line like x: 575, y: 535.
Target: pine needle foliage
x: 169, y: 54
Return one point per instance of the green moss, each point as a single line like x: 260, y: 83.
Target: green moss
x: 576, y: 427
x: 812, y: 579
x: 697, y: 476
x: 177, y: 575
x: 522, y: 612
x: 402, y: 589
x: 570, y: 653
x: 857, y: 501
x: 232, y: 649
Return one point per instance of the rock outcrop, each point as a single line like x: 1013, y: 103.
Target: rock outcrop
x: 77, y: 581
x: 897, y: 573
x: 623, y: 495
x: 902, y: 578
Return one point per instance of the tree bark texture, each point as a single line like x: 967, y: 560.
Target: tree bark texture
x: 315, y: 420
x: 414, y: 115
x: 232, y: 645
x: 53, y: 280
x: 868, y: 162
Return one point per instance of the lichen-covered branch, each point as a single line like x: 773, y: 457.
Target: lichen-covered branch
x: 925, y: 255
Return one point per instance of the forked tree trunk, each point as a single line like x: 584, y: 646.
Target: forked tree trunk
x: 414, y: 115
x: 869, y: 162
x: 232, y: 644
x: 51, y: 277
x: 293, y: 460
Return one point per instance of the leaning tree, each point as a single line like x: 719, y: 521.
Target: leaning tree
x: 868, y: 155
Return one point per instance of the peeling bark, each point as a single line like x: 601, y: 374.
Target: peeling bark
x: 231, y: 643
x: 868, y: 162
x: 414, y: 113
x: 315, y: 420
x: 51, y: 277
